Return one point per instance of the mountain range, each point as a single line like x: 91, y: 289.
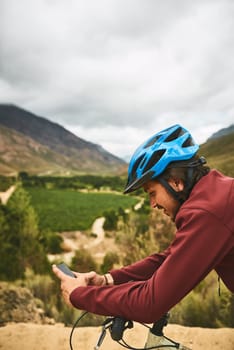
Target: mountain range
x: 38, y: 146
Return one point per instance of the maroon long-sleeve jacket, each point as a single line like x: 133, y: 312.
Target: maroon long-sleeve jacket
x: 204, y: 240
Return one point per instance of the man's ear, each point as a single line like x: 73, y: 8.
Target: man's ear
x: 176, y: 184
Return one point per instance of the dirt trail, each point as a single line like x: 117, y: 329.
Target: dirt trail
x: 4, y: 196
x: 75, y: 240
x: 98, y: 230
x: 28, y: 336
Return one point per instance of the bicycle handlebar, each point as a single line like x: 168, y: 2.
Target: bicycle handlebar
x: 117, y: 326
x: 155, y: 340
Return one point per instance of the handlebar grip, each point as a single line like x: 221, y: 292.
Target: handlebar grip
x: 117, y: 328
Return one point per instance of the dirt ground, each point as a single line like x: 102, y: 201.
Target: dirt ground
x: 26, y: 336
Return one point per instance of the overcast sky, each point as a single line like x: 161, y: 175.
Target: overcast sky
x: 116, y: 71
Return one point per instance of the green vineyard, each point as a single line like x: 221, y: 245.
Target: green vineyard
x: 67, y: 210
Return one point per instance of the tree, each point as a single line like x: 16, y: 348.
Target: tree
x: 10, y: 262
x: 20, y: 247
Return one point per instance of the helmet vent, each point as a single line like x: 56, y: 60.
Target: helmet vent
x: 178, y: 132
x: 189, y: 142
x: 155, y: 157
x: 136, y: 165
x: 152, y: 141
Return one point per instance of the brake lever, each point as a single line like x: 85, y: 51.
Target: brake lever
x: 107, y: 324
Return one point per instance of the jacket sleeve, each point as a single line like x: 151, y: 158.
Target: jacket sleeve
x: 141, y: 270
x: 199, y: 245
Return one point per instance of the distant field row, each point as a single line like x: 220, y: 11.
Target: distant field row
x: 66, y: 210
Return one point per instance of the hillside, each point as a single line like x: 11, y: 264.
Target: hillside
x: 19, y: 152
x: 222, y: 132
x: 219, y: 152
x: 36, y: 145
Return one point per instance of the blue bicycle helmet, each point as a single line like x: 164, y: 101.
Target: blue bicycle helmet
x: 154, y: 155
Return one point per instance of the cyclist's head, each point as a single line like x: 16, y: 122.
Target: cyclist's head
x: 173, y: 146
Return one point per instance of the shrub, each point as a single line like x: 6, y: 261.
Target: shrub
x: 110, y: 259
x: 17, y: 304
x: 51, y: 241
x: 204, y: 307
x: 83, y: 261
x: 111, y: 219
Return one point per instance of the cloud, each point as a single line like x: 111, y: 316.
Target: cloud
x: 114, y: 71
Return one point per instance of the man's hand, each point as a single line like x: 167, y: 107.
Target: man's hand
x: 68, y: 284
x: 94, y: 279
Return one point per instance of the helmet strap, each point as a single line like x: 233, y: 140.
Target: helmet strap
x: 189, y: 182
x: 171, y: 190
x: 187, y: 186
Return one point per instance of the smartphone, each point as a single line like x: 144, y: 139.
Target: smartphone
x: 65, y: 269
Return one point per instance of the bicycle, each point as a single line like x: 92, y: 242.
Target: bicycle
x: 117, y: 325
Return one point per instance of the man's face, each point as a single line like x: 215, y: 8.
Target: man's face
x: 161, y: 199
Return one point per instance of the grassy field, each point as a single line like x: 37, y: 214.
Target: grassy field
x: 66, y: 210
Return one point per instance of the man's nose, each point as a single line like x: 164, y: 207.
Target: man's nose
x: 153, y: 203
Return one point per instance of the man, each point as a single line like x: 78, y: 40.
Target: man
x: 201, y: 203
